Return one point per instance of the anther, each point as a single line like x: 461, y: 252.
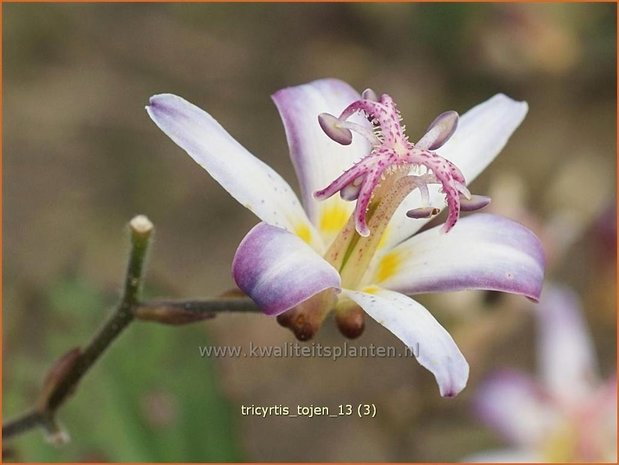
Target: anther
x: 351, y: 191
x: 332, y: 128
x: 423, y: 212
x: 369, y: 94
x: 476, y: 202
x: 439, y: 131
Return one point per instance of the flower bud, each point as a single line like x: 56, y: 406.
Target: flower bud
x: 56, y: 375
x: 305, y: 319
x: 350, y: 320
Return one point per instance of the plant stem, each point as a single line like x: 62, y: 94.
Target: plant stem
x: 21, y: 424
x: 141, y: 232
x: 66, y: 373
x: 214, y: 305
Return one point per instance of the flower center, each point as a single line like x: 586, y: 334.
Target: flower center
x: 380, y: 181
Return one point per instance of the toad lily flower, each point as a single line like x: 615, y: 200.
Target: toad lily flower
x: 356, y: 252
x: 567, y: 414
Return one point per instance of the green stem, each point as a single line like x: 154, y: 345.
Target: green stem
x: 71, y: 368
x: 141, y: 233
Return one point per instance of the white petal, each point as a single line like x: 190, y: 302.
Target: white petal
x: 517, y: 407
x: 317, y: 159
x: 566, y: 354
x: 482, y: 133
x: 250, y: 181
x: 423, y: 335
x: 482, y: 251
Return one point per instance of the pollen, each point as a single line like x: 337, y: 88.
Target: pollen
x: 333, y: 218
x: 388, y: 266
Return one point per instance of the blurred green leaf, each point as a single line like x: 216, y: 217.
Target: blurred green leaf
x: 151, y: 398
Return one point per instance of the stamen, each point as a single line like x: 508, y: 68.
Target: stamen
x: 361, y: 130
x: 393, y: 156
x: 476, y: 202
x: 351, y: 191
x: 333, y: 128
x: 439, y: 131
x: 463, y: 190
x: 422, y: 213
x: 369, y: 94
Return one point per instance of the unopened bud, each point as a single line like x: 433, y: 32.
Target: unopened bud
x: 331, y: 126
x: 439, y: 131
x: 350, y: 321
x: 476, y: 202
x: 305, y: 319
x: 56, y: 375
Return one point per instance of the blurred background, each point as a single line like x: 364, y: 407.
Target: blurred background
x: 81, y: 157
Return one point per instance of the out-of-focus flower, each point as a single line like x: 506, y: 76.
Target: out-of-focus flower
x: 517, y: 41
x: 301, y: 263
x: 567, y: 414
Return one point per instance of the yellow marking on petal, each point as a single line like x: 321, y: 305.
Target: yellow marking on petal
x: 388, y: 266
x: 303, y: 231
x: 371, y: 289
x: 333, y: 218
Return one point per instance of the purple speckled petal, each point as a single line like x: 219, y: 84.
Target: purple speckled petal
x: 250, y: 181
x: 566, y: 357
x: 481, y: 252
x: 278, y: 270
x: 517, y: 407
x: 482, y: 133
x: 423, y: 335
x: 317, y: 159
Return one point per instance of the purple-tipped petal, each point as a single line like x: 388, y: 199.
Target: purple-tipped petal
x: 250, y: 181
x: 566, y: 357
x: 517, y: 407
x: 481, y: 252
x: 316, y: 158
x: 482, y: 133
x: 431, y: 344
x: 278, y: 270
